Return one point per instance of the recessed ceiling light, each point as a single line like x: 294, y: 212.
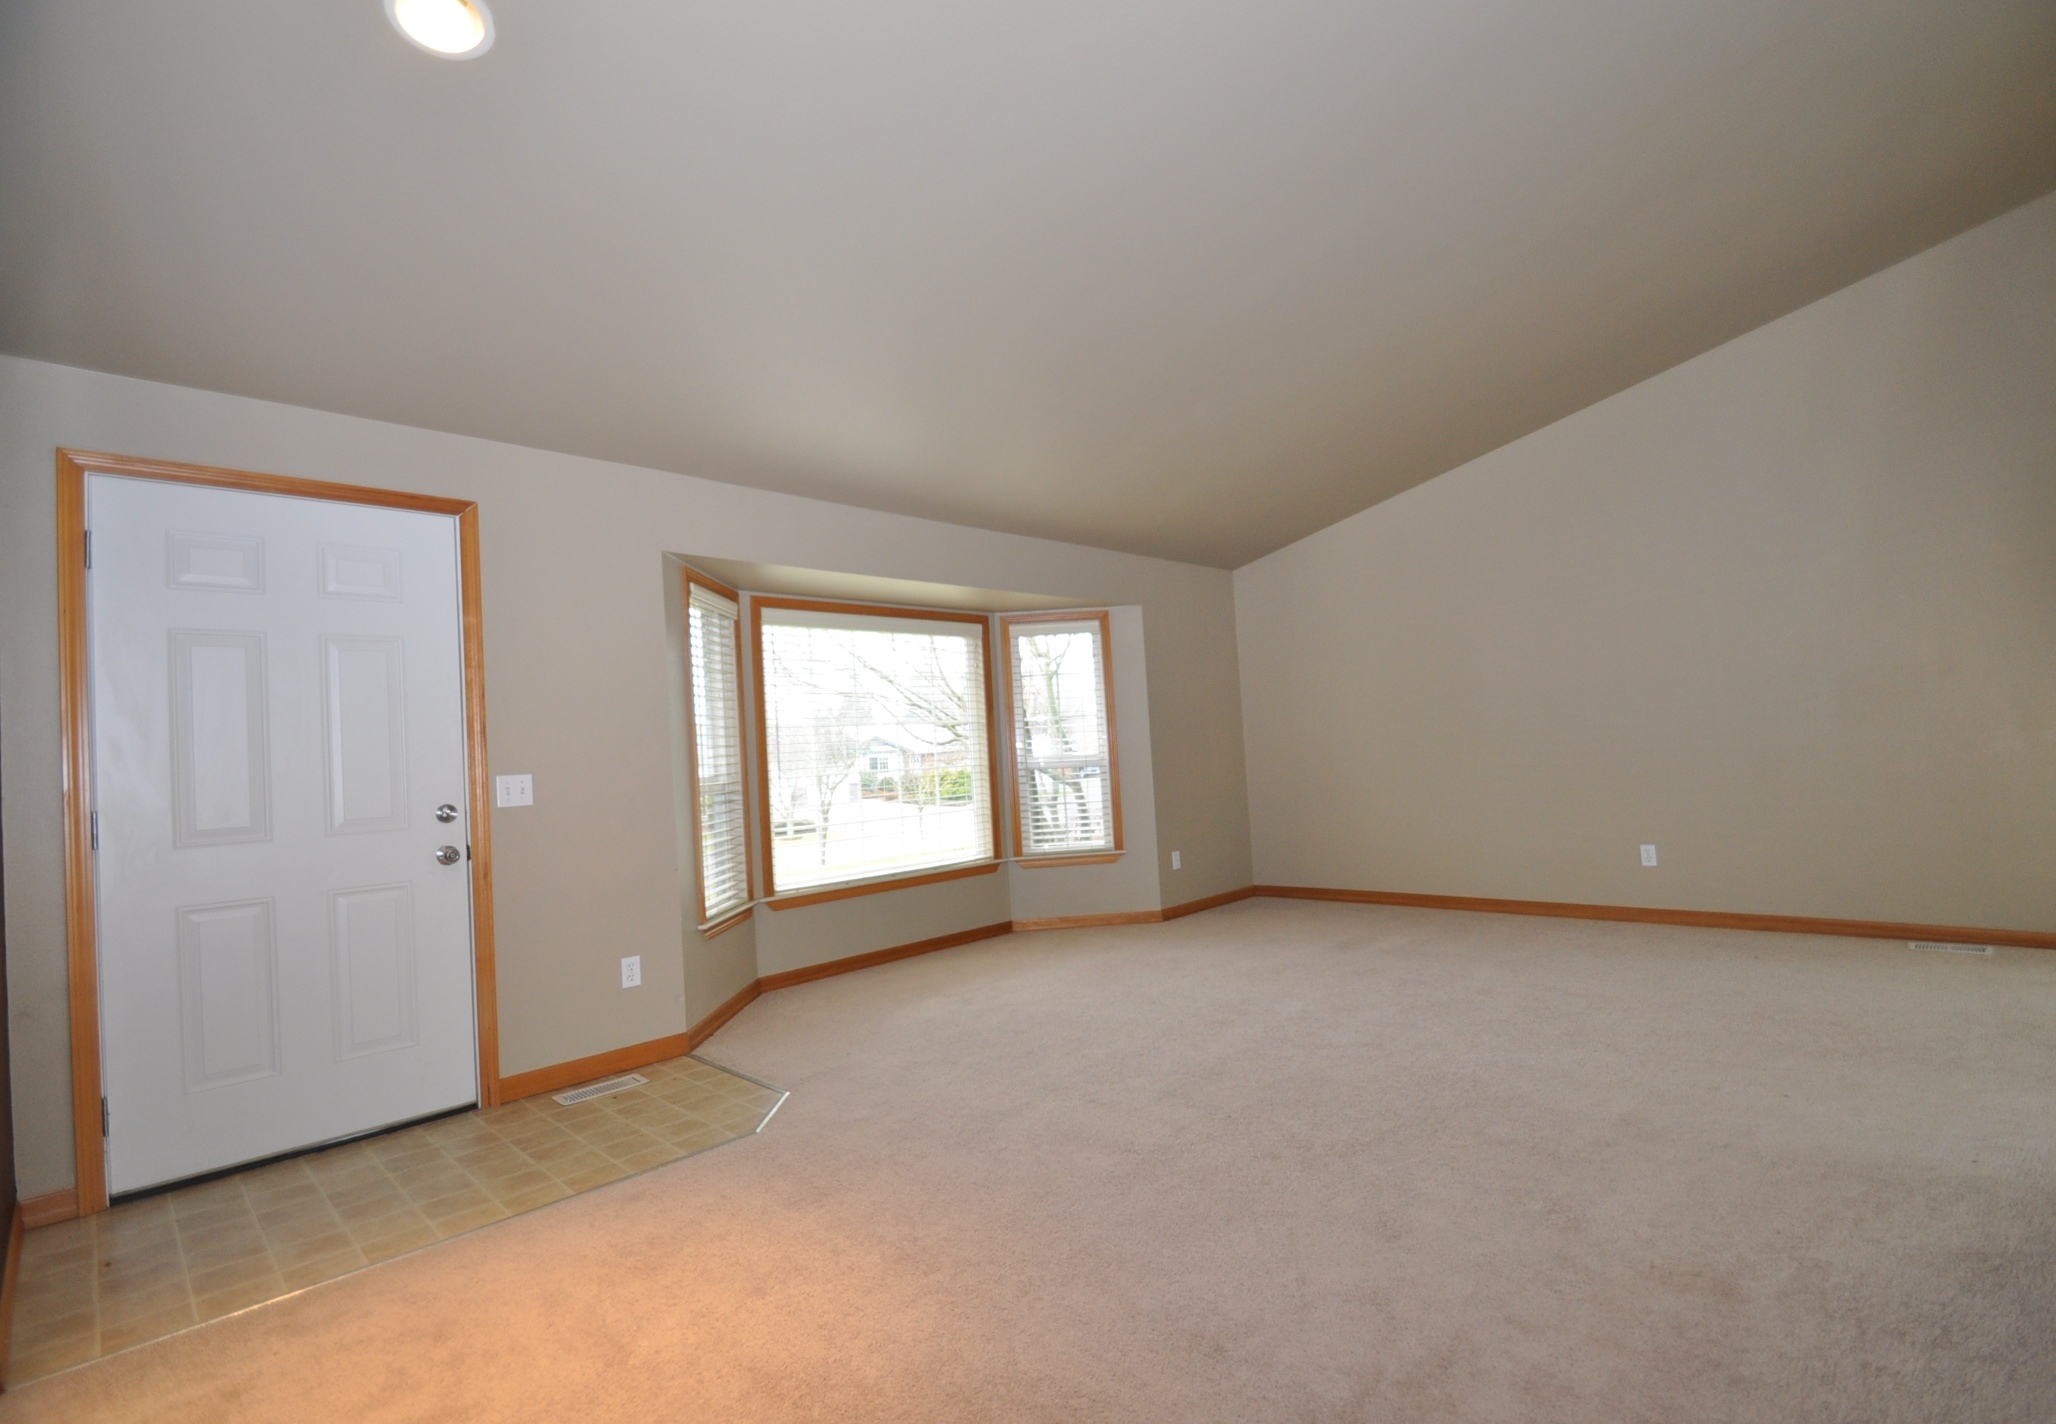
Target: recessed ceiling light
x: 449, y: 29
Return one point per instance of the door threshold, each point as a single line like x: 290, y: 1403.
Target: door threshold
x: 181, y: 1183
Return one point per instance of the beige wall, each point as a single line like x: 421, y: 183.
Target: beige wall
x: 1787, y: 611
x: 581, y: 680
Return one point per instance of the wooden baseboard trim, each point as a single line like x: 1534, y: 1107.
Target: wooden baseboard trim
x: 623, y: 1060
x: 872, y: 887
x: 1139, y: 917
x: 1087, y: 922
x: 790, y: 977
x: 599, y: 1065
x: 8, y: 1279
x: 706, y: 1028
x: 50, y: 1207
x: 1211, y: 902
x: 1696, y: 919
x: 677, y: 1045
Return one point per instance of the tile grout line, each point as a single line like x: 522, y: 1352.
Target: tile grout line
x: 398, y: 1186
x: 273, y: 1241
x: 185, y: 1267
x: 545, y: 1167
x: 492, y: 1199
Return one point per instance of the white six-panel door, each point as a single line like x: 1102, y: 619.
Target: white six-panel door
x: 278, y: 713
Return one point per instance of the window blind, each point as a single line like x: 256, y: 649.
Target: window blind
x: 717, y: 754
x: 875, y: 745
x: 1063, y: 770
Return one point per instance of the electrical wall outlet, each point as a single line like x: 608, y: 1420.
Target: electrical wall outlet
x: 1177, y: 860
x: 1649, y: 855
x: 632, y: 971
x: 518, y: 790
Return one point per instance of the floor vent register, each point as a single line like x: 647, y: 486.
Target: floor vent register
x: 600, y: 1089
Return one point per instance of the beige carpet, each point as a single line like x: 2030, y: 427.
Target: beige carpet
x: 1277, y: 1162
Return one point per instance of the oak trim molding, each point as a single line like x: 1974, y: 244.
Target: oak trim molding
x: 598, y: 1065
x: 50, y: 1207
x: 82, y: 939
x: 636, y: 1055
x: 1209, y: 902
x: 252, y: 482
x: 1089, y: 922
x: 484, y: 957
x: 1104, y: 618
x: 705, y: 1029
x: 10, y: 1280
x: 786, y: 979
x: 75, y: 710
x: 568, y: 1074
x: 620, y: 1060
x: 726, y: 923
x: 804, y: 898
x: 1696, y: 919
x: 1060, y: 862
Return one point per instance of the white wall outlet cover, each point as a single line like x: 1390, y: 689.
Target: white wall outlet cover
x: 1177, y: 860
x: 1649, y: 855
x: 632, y: 971
x: 517, y: 790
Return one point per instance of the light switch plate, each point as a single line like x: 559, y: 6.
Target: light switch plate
x: 518, y: 790
x: 1177, y: 860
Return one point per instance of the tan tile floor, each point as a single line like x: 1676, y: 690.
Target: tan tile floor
x: 156, y: 1265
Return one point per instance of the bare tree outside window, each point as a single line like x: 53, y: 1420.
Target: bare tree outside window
x: 875, y: 748
x: 1061, y: 749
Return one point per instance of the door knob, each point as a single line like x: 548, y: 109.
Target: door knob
x: 446, y: 813
x: 448, y: 855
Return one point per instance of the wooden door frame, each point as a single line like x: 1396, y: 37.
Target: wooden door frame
x: 75, y: 718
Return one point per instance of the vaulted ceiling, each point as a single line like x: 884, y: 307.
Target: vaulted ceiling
x: 1183, y: 277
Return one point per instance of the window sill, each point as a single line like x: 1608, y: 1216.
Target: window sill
x: 872, y: 887
x: 724, y: 925
x: 1054, y: 862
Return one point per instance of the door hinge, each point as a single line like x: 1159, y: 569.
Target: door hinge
x: 103, y: 1119
x: 93, y: 820
x: 89, y: 548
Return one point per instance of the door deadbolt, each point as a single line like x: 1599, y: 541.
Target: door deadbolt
x: 446, y: 813
x: 448, y: 855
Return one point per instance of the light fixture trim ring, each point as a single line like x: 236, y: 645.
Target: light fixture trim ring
x: 477, y: 7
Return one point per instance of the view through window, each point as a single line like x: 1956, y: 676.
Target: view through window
x: 717, y: 751
x: 1067, y: 801
x: 876, y: 753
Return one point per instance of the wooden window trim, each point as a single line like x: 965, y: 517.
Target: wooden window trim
x: 75, y: 754
x: 692, y: 763
x: 760, y: 602
x: 1007, y: 623
x: 729, y: 922
x: 802, y: 898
